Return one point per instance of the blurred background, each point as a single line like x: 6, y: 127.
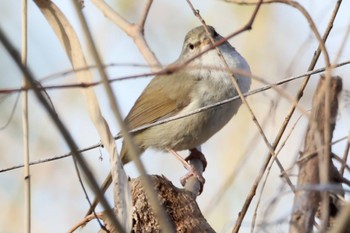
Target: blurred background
x: 279, y: 45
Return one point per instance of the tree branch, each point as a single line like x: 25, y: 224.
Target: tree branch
x: 306, y: 202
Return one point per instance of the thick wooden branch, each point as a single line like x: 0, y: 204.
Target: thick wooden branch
x: 307, y: 197
x: 179, y: 204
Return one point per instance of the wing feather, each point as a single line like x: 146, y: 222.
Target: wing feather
x: 163, y: 97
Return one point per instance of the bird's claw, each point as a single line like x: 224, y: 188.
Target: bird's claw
x: 195, y: 154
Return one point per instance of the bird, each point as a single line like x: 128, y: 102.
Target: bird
x: 203, y: 81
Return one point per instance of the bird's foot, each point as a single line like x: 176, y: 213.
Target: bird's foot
x: 195, y: 163
x: 196, y: 170
x: 193, y: 172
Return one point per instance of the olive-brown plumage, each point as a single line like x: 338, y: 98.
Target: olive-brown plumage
x: 202, y: 82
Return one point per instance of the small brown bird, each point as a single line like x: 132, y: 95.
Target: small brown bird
x: 188, y: 89
x: 202, y: 82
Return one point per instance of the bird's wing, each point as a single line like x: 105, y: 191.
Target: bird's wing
x: 163, y: 97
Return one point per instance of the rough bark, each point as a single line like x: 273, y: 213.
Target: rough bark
x: 307, y: 198
x: 179, y: 204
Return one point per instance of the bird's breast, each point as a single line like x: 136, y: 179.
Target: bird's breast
x: 211, y: 85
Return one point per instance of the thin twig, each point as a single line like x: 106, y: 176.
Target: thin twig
x: 144, y: 14
x: 63, y: 130
x: 235, y: 83
x: 347, y: 167
x: 25, y: 122
x: 347, y: 147
x: 289, y: 115
x: 50, y: 159
x: 345, y: 156
x: 235, y: 170
x: 57, y: 157
x: 166, y: 72
x: 13, y: 110
x: 70, y: 42
x: 135, y: 31
x: 175, y: 118
x: 306, y: 203
x: 84, y: 221
x: 268, y: 170
x: 232, y: 76
x: 133, y: 150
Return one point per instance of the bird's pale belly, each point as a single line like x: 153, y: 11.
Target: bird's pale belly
x: 189, y: 132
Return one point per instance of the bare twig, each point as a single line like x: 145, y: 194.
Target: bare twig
x: 135, y: 31
x: 83, y: 222
x: 345, y: 156
x: 57, y: 157
x: 339, y: 53
x: 342, y: 45
x: 122, y: 200
x: 217, y: 197
x: 176, y: 118
x: 298, y: 97
x: 52, y: 158
x: 63, y: 130
x: 306, y: 202
x: 25, y: 122
x: 133, y: 150
x: 268, y: 170
x: 167, y: 71
x: 13, y: 110
x: 145, y: 12
x: 234, y: 81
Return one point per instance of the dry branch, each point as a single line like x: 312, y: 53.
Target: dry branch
x: 287, y: 118
x: 180, y: 205
x: 70, y: 42
x: 307, y: 197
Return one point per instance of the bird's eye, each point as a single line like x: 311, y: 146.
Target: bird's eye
x: 191, y: 46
